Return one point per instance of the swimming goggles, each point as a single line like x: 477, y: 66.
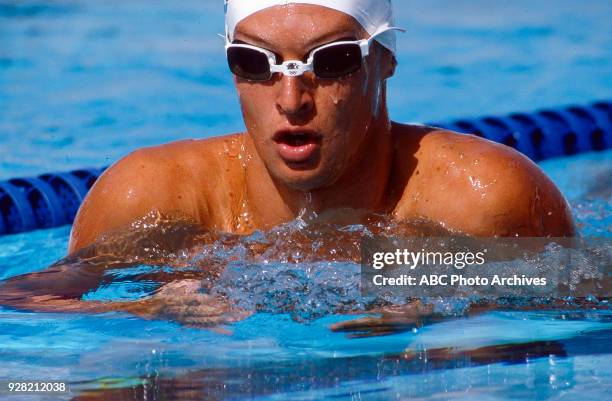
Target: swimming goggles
x: 330, y: 61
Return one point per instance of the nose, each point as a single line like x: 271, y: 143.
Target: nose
x: 294, y: 99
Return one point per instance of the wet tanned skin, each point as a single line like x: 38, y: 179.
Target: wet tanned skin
x: 239, y: 183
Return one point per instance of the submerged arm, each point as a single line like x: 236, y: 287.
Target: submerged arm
x: 56, y: 289
x: 61, y: 287
x: 401, y: 318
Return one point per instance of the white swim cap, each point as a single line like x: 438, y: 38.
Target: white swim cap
x: 373, y: 15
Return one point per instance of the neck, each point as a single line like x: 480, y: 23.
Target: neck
x: 364, y: 184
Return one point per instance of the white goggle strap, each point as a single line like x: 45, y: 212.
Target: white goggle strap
x: 365, y: 44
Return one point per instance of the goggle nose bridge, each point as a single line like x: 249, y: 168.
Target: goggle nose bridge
x: 291, y: 68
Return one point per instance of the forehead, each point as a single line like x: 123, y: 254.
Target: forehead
x: 297, y: 24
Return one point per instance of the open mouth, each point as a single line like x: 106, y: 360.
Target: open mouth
x: 297, y: 138
x: 297, y: 146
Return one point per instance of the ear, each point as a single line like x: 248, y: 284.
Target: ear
x: 387, y: 61
x: 391, y: 66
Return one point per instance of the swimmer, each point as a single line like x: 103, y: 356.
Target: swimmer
x: 311, y: 77
x: 319, y: 137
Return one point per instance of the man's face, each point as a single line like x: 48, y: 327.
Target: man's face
x: 308, y: 131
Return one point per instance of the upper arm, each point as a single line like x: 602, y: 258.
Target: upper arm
x: 483, y: 188
x: 523, y: 201
x: 133, y: 187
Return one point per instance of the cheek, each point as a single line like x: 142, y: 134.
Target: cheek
x: 255, y: 104
x: 353, y: 106
x: 250, y: 98
x: 343, y: 102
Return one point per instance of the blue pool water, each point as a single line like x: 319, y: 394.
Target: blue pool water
x: 84, y: 82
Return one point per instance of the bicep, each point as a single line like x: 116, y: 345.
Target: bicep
x: 491, y: 190
x: 528, y: 204
x: 552, y: 211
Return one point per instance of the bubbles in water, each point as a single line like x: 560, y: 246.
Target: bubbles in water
x: 307, y: 268
x: 594, y: 217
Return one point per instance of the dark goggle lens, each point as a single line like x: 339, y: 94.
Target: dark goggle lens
x: 248, y: 64
x: 337, y: 61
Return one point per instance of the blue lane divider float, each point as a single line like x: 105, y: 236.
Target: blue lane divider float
x: 49, y: 200
x: 547, y: 133
x: 52, y: 200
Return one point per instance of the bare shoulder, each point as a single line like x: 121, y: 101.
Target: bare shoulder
x: 169, y: 179
x: 483, y: 188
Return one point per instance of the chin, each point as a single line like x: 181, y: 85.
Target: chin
x: 305, y: 180
x: 301, y: 181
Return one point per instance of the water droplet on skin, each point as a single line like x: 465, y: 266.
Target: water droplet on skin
x: 231, y: 148
x: 244, y: 157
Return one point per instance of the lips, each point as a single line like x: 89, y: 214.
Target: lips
x: 297, y: 146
